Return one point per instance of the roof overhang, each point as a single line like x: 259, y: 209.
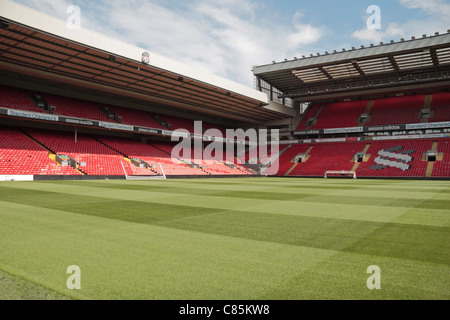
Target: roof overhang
x: 37, y: 47
x: 396, y: 66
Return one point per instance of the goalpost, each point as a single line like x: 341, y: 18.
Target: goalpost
x: 344, y: 173
x: 127, y: 177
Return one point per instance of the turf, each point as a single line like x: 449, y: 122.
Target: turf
x: 246, y: 238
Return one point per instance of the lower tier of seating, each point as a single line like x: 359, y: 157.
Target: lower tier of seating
x: 20, y: 155
x: 392, y: 158
x: 396, y: 159
x: 34, y: 152
x: 328, y: 156
x: 442, y: 168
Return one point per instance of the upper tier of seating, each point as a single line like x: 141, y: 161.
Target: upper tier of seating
x: 174, y: 123
x: 340, y: 114
x: 440, y: 106
x: 310, y: 113
x: 384, y: 111
x: 136, y: 117
x: 440, y: 99
x: 396, y: 110
x: 15, y: 98
x: 75, y: 108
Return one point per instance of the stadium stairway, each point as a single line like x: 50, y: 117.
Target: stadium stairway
x: 366, y: 157
x: 312, y: 112
x: 296, y: 163
x: 427, y: 106
x: 140, y: 171
x: 272, y: 159
x: 18, y: 99
x: 182, y: 167
x: 304, y: 117
x: 430, y: 165
x: 52, y: 154
x: 109, y: 113
x: 22, y: 154
x: 40, y: 102
x: 316, y: 116
x: 38, y: 142
x: 367, y: 111
x: 108, y: 146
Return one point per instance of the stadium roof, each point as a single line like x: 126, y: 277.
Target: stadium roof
x: 394, y: 66
x: 39, y: 48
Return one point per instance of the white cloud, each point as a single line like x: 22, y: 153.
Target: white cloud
x: 394, y: 31
x: 51, y: 7
x: 304, y: 33
x: 436, y: 13
x: 243, y: 40
x: 224, y: 37
x: 432, y: 7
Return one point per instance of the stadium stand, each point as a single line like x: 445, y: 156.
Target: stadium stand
x: 75, y: 108
x: 393, y: 158
x: 310, y: 113
x: 20, y: 155
x: 286, y: 160
x: 207, y: 125
x: 440, y: 99
x: 442, y: 167
x: 135, y: 117
x: 98, y: 159
x: 174, y: 123
x: 375, y: 90
x: 153, y: 155
x: 15, y: 98
x: 440, y: 106
x: 111, y: 156
x: 215, y: 165
x: 384, y: 111
x: 340, y: 114
x: 328, y: 156
x: 396, y: 110
x: 398, y: 158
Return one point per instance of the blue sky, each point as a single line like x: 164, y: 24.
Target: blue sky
x: 229, y: 37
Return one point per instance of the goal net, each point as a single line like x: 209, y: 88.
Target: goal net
x: 340, y: 173
x: 137, y: 176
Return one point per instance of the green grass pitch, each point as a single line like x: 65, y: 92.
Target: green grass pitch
x: 226, y: 238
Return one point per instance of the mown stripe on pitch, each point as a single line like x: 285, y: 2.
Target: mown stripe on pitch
x: 126, y: 210
x: 426, y: 243
x: 416, y: 242
x: 278, y: 187
x: 289, y: 196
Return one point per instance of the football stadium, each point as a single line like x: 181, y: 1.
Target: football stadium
x: 125, y: 175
